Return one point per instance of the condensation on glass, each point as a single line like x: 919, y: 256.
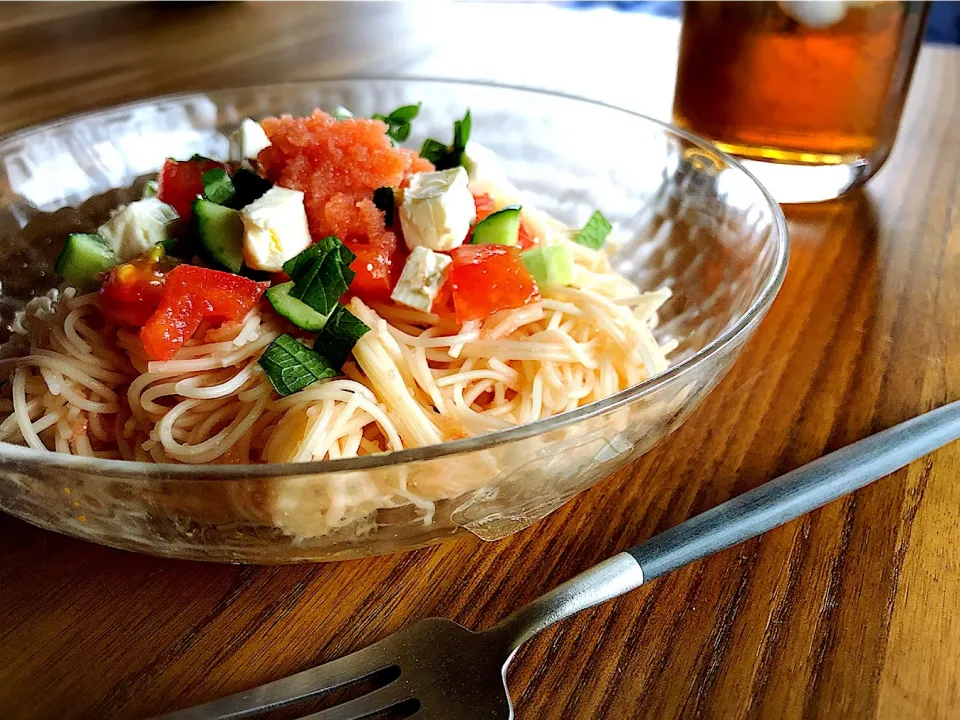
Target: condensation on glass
x: 811, y: 92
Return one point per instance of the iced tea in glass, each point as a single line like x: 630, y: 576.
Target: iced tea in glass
x: 811, y: 92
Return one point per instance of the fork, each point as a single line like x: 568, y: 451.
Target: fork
x: 437, y: 669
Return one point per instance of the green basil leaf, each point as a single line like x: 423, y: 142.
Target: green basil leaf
x: 384, y: 199
x: 398, y: 121
x: 291, y: 366
x: 443, y: 156
x: 295, y: 266
x: 595, y: 232
x: 218, y: 188
x: 346, y: 257
x: 461, y: 132
x: 433, y: 150
x: 405, y: 113
x: 321, y: 274
x: 401, y: 132
x: 335, y: 342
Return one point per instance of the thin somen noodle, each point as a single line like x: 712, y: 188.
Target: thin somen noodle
x: 416, y: 378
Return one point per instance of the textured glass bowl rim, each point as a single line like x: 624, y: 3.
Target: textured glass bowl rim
x: 131, y: 469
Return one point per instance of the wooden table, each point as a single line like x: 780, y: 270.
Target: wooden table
x: 850, y: 612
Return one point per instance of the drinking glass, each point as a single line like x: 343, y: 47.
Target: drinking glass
x: 809, y: 94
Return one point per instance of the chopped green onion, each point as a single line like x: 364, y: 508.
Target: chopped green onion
x: 398, y: 122
x: 321, y: 274
x: 249, y: 187
x: 445, y: 157
x: 150, y: 189
x: 291, y: 366
x: 384, y: 200
x: 341, y: 113
x: 595, y: 232
x: 218, y: 188
x: 197, y: 157
x: 342, y: 331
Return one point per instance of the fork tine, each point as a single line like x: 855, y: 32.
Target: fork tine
x: 367, y: 705
x: 315, y: 681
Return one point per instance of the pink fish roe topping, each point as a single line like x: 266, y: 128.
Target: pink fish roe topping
x: 338, y: 164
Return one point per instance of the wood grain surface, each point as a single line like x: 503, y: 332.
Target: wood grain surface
x: 850, y: 612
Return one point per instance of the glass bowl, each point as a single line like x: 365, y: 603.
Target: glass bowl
x: 690, y: 218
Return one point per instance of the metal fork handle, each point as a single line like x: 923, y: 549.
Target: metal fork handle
x: 745, y: 516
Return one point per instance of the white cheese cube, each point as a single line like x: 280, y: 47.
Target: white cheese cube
x: 135, y: 228
x: 437, y: 210
x: 274, y: 229
x: 249, y: 140
x: 421, y: 279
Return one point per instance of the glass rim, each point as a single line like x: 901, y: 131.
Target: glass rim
x: 17, y: 455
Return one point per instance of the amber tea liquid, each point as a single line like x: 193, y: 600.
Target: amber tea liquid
x: 801, y: 83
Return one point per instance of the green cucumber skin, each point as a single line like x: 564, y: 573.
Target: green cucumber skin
x: 499, y: 228
x: 84, y: 257
x: 297, y: 312
x: 220, y: 231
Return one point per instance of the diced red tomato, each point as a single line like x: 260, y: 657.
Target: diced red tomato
x: 181, y: 182
x: 190, y: 295
x: 377, y: 269
x: 525, y: 241
x: 443, y: 302
x: 485, y: 279
x: 171, y: 325
x: 130, y: 292
x: 485, y: 206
